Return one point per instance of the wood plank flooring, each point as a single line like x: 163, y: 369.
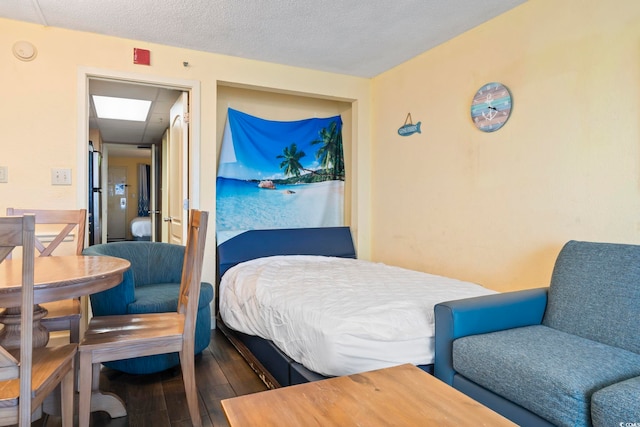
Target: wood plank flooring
x: 158, y: 399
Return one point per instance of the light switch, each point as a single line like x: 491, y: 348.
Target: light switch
x: 61, y: 176
x: 4, y: 174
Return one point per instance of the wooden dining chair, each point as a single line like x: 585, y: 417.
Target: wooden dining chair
x: 28, y: 375
x: 62, y: 315
x: 125, y: 336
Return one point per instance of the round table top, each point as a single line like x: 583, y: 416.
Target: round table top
x: 61, y: 277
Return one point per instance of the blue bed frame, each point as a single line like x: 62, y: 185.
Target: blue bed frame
x: 274, y: 367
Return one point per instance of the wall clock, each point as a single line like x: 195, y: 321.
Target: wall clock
x: 491, y: 107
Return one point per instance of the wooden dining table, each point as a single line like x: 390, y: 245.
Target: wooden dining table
x: 58, y: 278
x: 55, y: 278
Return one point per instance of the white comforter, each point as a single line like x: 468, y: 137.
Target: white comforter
x: 338, y: 316
x: 141, y: 226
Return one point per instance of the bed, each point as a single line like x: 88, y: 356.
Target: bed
x: 349, y: 318
x: 141, y: 228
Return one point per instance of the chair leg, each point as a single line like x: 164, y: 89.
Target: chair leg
x: 189, y: 378
x: 74, y: 330
x: 67, y: 393
x: 84, y: 388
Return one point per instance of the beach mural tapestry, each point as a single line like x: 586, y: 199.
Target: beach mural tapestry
x: 275, y: 174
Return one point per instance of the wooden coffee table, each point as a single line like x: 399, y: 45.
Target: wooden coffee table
x: 402, y: 396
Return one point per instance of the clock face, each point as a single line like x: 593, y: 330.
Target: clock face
x: 491, y: 107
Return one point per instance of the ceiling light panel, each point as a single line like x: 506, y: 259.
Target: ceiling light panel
x: 121, y: 108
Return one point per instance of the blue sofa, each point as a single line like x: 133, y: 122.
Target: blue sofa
x: 566, y: 355
x: 151, y: 285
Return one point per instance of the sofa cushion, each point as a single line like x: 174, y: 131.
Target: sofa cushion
x: 595, y: 293
x: 546, y: 371
x: 163, y: 297
x: 617, y: 405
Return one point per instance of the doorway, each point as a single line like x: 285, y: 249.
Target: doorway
x: 117, y: 204
x: 126, y: 191
x: 135, y: 84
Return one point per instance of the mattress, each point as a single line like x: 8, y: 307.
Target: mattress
x: 141, y: 226
x: 338, y: 316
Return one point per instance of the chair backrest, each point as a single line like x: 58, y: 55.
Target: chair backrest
x: 20, y: 231
x: 151, y: 262
x: 74, y: 218
x: 595, y: 293
x: 192, y: 270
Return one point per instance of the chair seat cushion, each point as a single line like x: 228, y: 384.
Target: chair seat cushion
x: 549, y: 372
x: 617, y: 405
x: 163, y: 297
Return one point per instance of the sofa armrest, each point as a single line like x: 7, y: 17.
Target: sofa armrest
x: 480, y: 315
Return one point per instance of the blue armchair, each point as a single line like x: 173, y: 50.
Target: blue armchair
x: 151, y: 285
x: 567, y: 355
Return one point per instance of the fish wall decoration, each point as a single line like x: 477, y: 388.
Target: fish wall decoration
x: 409, y: 128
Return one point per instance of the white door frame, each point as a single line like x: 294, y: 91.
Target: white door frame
x: 191, y: 86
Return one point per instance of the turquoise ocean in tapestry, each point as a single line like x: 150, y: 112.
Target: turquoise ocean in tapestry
x: 279, y: 174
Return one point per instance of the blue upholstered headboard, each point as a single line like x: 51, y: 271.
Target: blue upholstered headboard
x: 326, y: 241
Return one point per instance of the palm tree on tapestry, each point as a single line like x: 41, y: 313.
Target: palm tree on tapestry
x: 291, y: 163
x: 330, y: 153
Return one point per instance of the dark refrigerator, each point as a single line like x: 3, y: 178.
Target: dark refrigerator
x: 95, y: 199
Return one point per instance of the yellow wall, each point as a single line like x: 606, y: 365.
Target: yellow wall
x: 495, y: 208
x: 41, y: 121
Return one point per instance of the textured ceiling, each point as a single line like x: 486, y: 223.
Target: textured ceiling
x: 354, y: 37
